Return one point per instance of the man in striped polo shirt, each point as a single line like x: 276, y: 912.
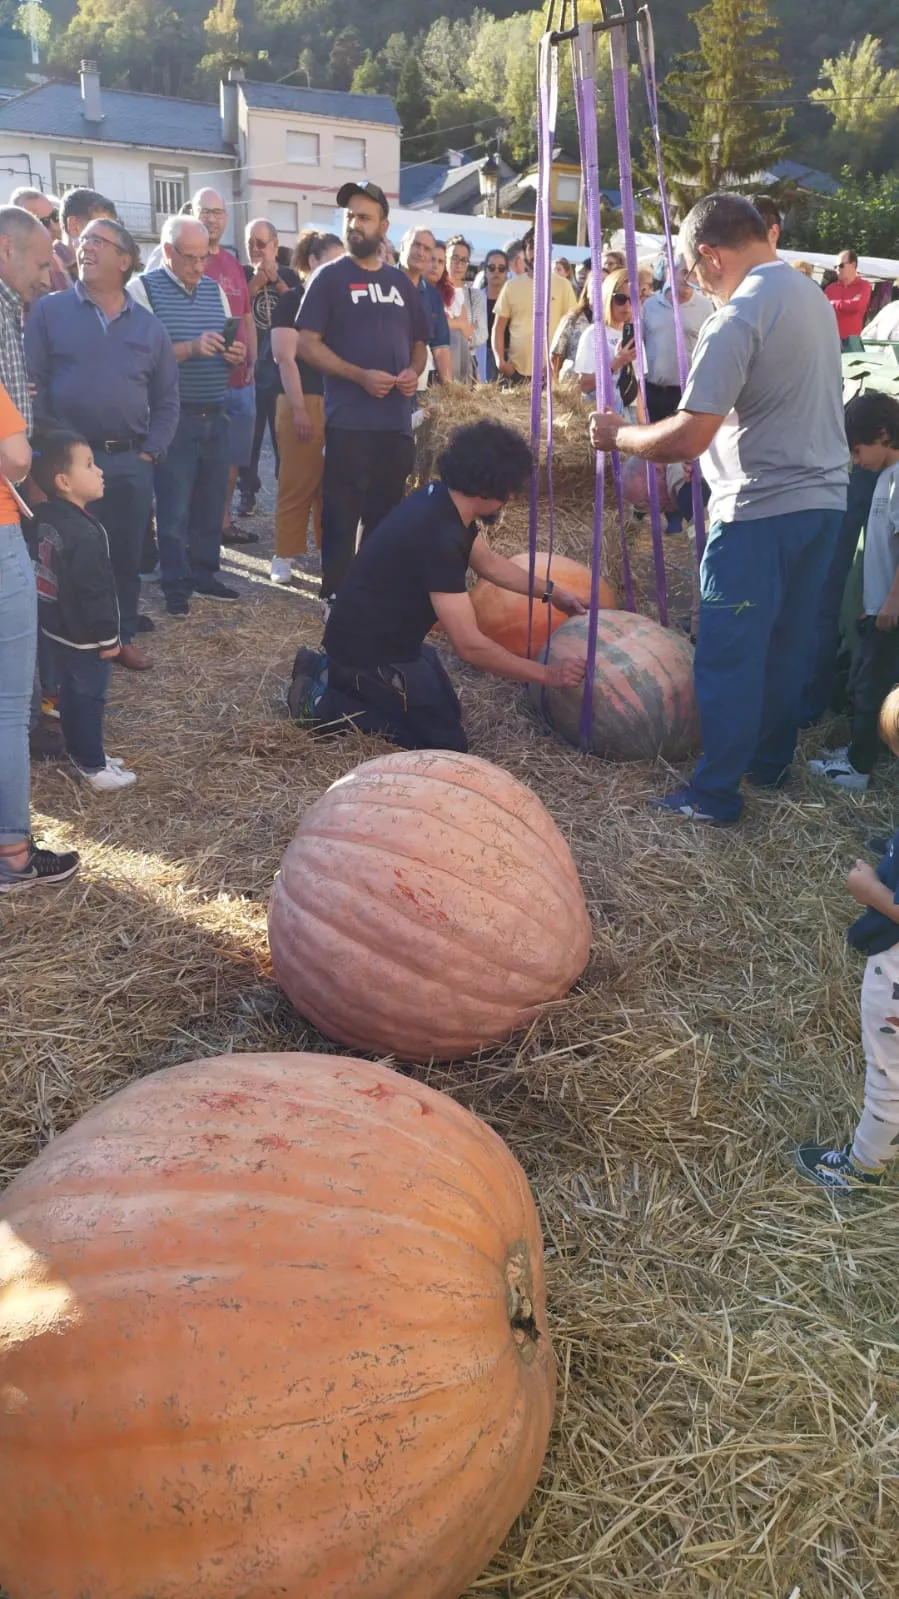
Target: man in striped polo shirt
x: 192, y: 481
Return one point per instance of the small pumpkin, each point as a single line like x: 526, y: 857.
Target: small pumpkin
x: 427, y: 906
x: 272, y: 1324
x: 644, y: 702
x: 635, y: 485
x: 503, y: 616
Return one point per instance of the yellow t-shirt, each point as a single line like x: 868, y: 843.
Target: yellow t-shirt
x: 516, y: 301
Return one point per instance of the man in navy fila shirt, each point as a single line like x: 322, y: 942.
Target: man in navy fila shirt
x: 362, y: 324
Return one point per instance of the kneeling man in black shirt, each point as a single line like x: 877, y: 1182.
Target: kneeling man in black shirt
x: 410, y: 572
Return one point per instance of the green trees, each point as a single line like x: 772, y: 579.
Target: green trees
x: 861, y: 96
x: 863, y: 214
x: 724, y: 123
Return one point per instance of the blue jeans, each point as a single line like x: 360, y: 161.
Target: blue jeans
x: 124, y: 511
x: 240, y: 407
x: 18, y: 648
x: 826, y: 643
x: 83, y: 681
x: 761, y: 590
x: 191, y: 489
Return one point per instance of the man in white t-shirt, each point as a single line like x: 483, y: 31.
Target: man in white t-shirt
x: 763, y: 410
x: 663, y: 387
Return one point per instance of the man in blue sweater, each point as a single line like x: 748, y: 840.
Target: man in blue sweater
x: 104, y: 368
x: 192, y: 481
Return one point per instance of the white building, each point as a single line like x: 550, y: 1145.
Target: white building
x: 272, y: 150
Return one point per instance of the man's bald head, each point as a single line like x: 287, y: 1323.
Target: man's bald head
x: 209, y: 207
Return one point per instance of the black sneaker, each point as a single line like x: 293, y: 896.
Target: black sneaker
x: 42, y: 866
x: 246, y: 505
x: 218, y: 591
x: 176, y: 605
x: 145, y: 624
x: 835, y: 1169
x: 45, y: 740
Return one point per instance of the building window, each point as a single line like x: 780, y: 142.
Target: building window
x: 71, y: 173
x: 169, y: 188
x: 568, y: 190
x: 325, y: 214
x: 282, y: 215
x: 349, y: 153
x: 302, y: 149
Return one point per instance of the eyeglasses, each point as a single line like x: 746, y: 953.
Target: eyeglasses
x: 211, y: 211
x: 621, y: 299
x: 52, y: 216
x: 842, y: 264
x: 192, y: 260
x: 100, y: 238
x: 496, y: 266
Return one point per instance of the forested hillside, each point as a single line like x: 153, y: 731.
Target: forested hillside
x: 458, y: 70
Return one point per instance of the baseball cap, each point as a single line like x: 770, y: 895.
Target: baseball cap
x: 347, y: 190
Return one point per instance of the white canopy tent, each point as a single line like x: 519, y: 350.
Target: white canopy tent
x: 483, y: 233
x: 877, y: 268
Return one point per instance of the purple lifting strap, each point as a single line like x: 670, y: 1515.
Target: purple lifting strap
x: 618, y: 46
x: 547, y: 101
x: 646, y: 45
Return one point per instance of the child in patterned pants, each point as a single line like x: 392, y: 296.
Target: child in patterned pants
x: 862, y: 1162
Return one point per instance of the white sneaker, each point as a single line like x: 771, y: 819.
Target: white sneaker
x: 108, y: 779
x: 282, y: 569
x: 841, y: 773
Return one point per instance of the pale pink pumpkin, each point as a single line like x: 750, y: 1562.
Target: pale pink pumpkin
x: 428, y: 906
x: 644, y: 703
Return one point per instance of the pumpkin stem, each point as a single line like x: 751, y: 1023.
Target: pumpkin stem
x: 520, y: 1301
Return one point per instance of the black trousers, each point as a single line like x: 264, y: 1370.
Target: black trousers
x: 876, y: 672
x: 661, y: 400
x: 411, y: 702
x: 248, y: 476
x: 365, y: 477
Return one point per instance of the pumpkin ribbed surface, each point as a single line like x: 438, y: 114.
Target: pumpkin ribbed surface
x: 427, y: 906
x: 503, y: 616
x: 644, y: 704
x: 272, y: 1326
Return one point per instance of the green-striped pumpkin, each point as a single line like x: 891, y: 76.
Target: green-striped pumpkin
x: 644, y: 705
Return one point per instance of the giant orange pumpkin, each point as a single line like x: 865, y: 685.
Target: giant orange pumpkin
x: 427, y: 906
x: 504, y: 616
x: 644, y: 703
x: 273, y: 1325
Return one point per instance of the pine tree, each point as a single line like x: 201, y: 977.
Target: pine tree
x: 412, y: 101
x: 721, y: 99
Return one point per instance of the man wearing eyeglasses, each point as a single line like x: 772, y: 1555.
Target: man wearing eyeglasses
x: 850, y: 297
x: 104, y: 368
x: 192, y: 481
x: 763, y: 408
x: 515, y: 314
x: 46, y: 208
x: 223, y: 267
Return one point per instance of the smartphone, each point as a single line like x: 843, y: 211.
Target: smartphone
x: 627, y: 333
x: 231, y: 330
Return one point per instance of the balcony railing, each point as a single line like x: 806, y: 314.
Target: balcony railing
x: 141, y: 220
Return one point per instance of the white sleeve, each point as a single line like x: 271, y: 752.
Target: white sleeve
x: 135, y: 287
x: 585, y: 360
x: 226, y: 302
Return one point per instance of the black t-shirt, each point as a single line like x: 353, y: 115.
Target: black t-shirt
x: 285, y: 316
x: 372, y: 320
x: 383, y: 611
x: 263, y: 304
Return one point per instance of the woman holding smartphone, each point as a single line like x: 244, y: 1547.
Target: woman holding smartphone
x: 617, y: 311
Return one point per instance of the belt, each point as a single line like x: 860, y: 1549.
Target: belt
x: 116, y: 446
x: 203, y: 410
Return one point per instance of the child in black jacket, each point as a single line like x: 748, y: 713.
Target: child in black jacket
x: 77, y: 607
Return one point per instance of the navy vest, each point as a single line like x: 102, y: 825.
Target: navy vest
x: 203, y: 379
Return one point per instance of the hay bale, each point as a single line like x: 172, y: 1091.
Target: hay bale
x: 455, y: 406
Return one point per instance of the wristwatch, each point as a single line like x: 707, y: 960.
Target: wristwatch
x: 548, y: 593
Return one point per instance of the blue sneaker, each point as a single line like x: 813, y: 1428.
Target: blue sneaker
x: 835, y: 1169
x: 682, y: 803
x: 674, y: 524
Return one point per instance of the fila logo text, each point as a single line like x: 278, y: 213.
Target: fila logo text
x: 374, y: 292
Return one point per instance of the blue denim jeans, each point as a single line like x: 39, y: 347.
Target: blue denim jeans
x: 761, y: 590
x: 18, y: 649
x: 826, y: 644
x: 83, y: 682
x: 191, y: 489
x: 124, y: 511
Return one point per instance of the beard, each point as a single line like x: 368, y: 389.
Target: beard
x: 361, y: 247
x: 490, y: 518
